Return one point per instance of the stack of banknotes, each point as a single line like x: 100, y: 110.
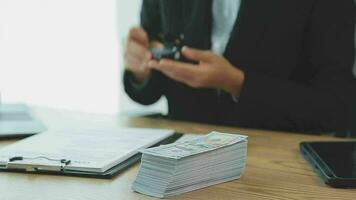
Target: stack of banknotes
x: 181, y: 167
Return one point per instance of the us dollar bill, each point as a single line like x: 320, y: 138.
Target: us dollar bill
x: 212, y: 141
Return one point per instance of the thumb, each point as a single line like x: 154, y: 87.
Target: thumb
x: 139, y: 35
x: 196, y: 54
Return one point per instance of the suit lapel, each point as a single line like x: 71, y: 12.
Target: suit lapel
x: 253, y: 18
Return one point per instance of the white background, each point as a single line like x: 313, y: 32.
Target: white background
x: 59, y: 53
x: 65, y: 53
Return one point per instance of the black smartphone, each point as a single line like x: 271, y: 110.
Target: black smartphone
x: 334, y: 162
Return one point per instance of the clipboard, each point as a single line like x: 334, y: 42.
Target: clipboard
x: 59, y: 166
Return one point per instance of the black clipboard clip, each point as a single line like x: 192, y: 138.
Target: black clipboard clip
x: 30, y: 167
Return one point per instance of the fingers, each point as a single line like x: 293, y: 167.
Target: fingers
x: 136, y: 56
x: 170, y: 65
x: 139, y: 35
x: 134, y: 64
x: 135, y: 49
x: 182, y: 72
x: 156, y: 44
x: 137, y: 53
x: 137, y: 67
x: 197, y: 55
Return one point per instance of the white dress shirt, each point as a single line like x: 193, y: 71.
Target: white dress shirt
x: 225, y: 13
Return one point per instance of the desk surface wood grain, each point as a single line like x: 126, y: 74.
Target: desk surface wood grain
x: 275, y: 169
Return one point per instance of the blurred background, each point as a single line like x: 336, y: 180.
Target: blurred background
x: 67, y: 54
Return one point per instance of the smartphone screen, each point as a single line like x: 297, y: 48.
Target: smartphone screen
x: 339, y: 156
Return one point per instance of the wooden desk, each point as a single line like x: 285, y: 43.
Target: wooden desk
x: 275, y: 168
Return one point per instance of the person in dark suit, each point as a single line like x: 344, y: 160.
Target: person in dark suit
x: 276, y: 64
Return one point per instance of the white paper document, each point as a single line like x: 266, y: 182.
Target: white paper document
x: 93, y: 150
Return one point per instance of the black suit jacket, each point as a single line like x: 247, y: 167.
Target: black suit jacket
x: 297, y: 56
